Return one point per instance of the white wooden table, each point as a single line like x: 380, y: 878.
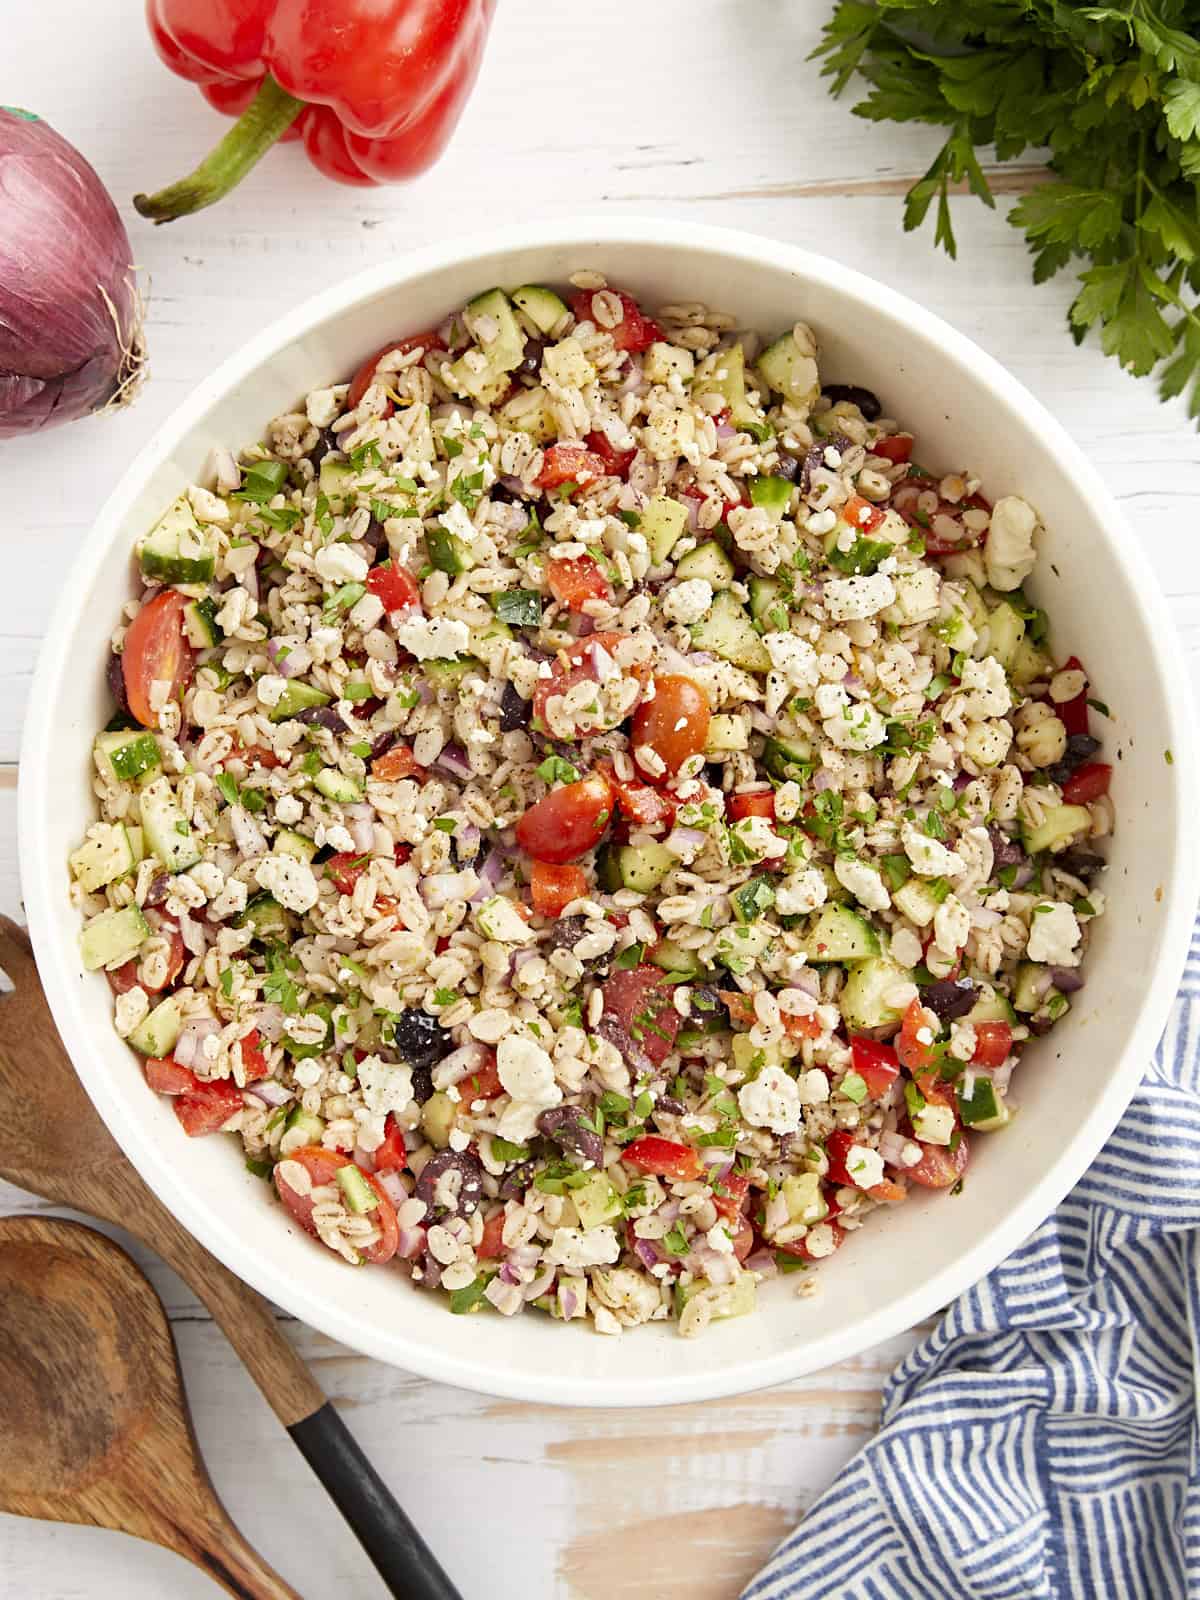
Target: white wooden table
x: 699, y: 109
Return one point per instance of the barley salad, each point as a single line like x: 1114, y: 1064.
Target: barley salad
x: 589, y: 812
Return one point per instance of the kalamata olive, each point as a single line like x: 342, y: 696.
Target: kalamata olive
x: 788, y: 466
x: 500, y: 494
x: 384, y: 743
x: 1083, y: 864
x: 1080, y: 748
x: 950, y: 998
x: 1006, y: 851
x: 669, y: 1104
x: 468, y: 1191
x: 565, y: 1125
x: 635, y: 1057
x: 422, y: 1084
x: 514, y: 1184
x: 420, y: 1039
x: 567, y: 932
x: 515, y: 710
x: 160, y: 888
x: 816, y: 457
x: 327, y: 442
x: 374, y: 535
x: 321, y: 717
x: 531, y: 361
x: 116, y: 681
x: 866, y: 401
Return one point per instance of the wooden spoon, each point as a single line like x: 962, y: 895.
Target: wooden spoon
x: 94, y: 1427
x: 53, y: 1143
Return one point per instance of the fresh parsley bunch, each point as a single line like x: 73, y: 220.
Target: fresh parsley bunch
x: 1113, y: 92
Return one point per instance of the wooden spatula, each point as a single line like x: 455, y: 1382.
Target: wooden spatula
x: 94, y: 1427
x: 53, y: 1143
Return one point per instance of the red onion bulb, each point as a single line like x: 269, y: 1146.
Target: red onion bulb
x: 70, y: 312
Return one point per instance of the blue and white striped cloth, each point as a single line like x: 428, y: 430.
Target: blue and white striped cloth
x: 1041, y: 1443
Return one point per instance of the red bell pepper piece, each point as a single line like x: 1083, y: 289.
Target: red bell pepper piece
x: 373, y: 87
x: 1073, y: 714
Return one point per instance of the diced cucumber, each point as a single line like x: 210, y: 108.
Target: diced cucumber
x: 790, y: 372
x: 358, y: 1194
x: 167, y: 831
x: 336, y: 785
x: 267, y: 917
x: 200, y: 624
x: 753, y: 899
x: 448, y: 552
x: 984, y: 1110
x: 916, y: 901
x: 336, y: 482
x: 774, y: 495
x: 839, y: 934
x: 750, y: 1058
x: 1032, y: 988
x: 131, y: 756
x: 724, y: 373
x: 663, y: 521
x: 157, y: 1033
x: 297, y: 697
x: 438, y: 1116
x: 674, y: 959
x: 1029, y: 663
x: 727, y: 731
x: 177, y: 549
x: 643, y: 867
x: 805, y: 1202
x: 736, y: 1299
x: 990, y: 1007
x: 1005, y: 632
x: 740, y: 945
x: 296, y: 845
x: 449, y: 673
x: 541, y: 305
x: 110, y: 939
x: 706, y: 561
x: 301, y: 1128
x: 137, y: 843
x: 608, y: 870
x: 788, y: 758
x: 862, y: 999
x: 596, y: 1201
x: 728, y: 632
x: 663, y: 361
x: 519, y: 608
x: 1058, y: 827
x: 106, y: 855
x: 486, y: 380
x: 765, y: 598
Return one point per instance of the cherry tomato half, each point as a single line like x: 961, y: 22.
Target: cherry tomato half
x: 875, y: 1063
x: 635, y: 331
x: 1073, y: 714
x: 647, y: 808
x: 554, y: 887
x: 573, y: 582
x: 207, y: 1107
x: 616, y: 462
x: 361, y: 381
x: 861, y: 515
x: 993, y: 1041
x: 913, y: 1051
x: 395, y: 587
x: 166, y: 1076
x: 640, y: 1001
x: 569, y: 462
x: 397, y: 763
x: 568, y: 822
x: 392, y: 1154
x: 492, y: 1244
x: 156, y: 649
x: 322, y: 1167
x: 673, y: 722
x: 663, y: 1158
x: 1087, y: 782
x: 897, y: 447
x: 759, y: 804
x: 940, y: 1166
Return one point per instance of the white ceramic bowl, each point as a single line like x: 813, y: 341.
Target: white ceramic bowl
x: 965, y: 409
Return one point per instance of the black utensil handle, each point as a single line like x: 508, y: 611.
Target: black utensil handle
x: 403, y: 1560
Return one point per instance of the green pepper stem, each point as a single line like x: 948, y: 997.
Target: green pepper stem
x: 269, y: 114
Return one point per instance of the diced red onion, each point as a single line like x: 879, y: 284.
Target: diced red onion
x: 268, y: 1019
x: 524, y: 1257
x: 762, y: 1262
x: 509, y: 1274
x: 1023, y: 875
x: 824, y: 779
x: 467, y: 838
x: 726, y: 430
x: 891, y: 1147
x: 808, y: 982
x: 648, y: 1252
x: 249, y: 580
x: 715, y: 1265
x: 1002, y: 1074
x: 289, y: 663
x: 363, y: 1158
x: 1041, y: 983
x: 450, y: 1069
x: 692, y: 506
x: 669, y: 1211
x: 568, y: 1301
x: 454, y: 761
x: 539, y: 1285
x: 776, y: 1214
x: 223, y: 469
x: 273, y: 1093
x: 602, y: 663
x: 250, y: 839
x: 1067, y: 979
x: 579, y: 626
x: 760, y: 720
x: 716, y: 1156
x: 506, y: 1297
x: 684, y: 841
x: 189, y: 750
x: 489, y: 876
x: 961, y: 780
x: 412, y: 1240
x: 391, y: 1183
x: 360, y: 820
x: 187, y: 1051
x: 633, y: 378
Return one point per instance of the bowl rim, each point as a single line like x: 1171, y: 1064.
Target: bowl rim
x: 42, y: 884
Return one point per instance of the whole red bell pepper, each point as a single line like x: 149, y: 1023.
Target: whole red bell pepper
x: 373, y: 87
